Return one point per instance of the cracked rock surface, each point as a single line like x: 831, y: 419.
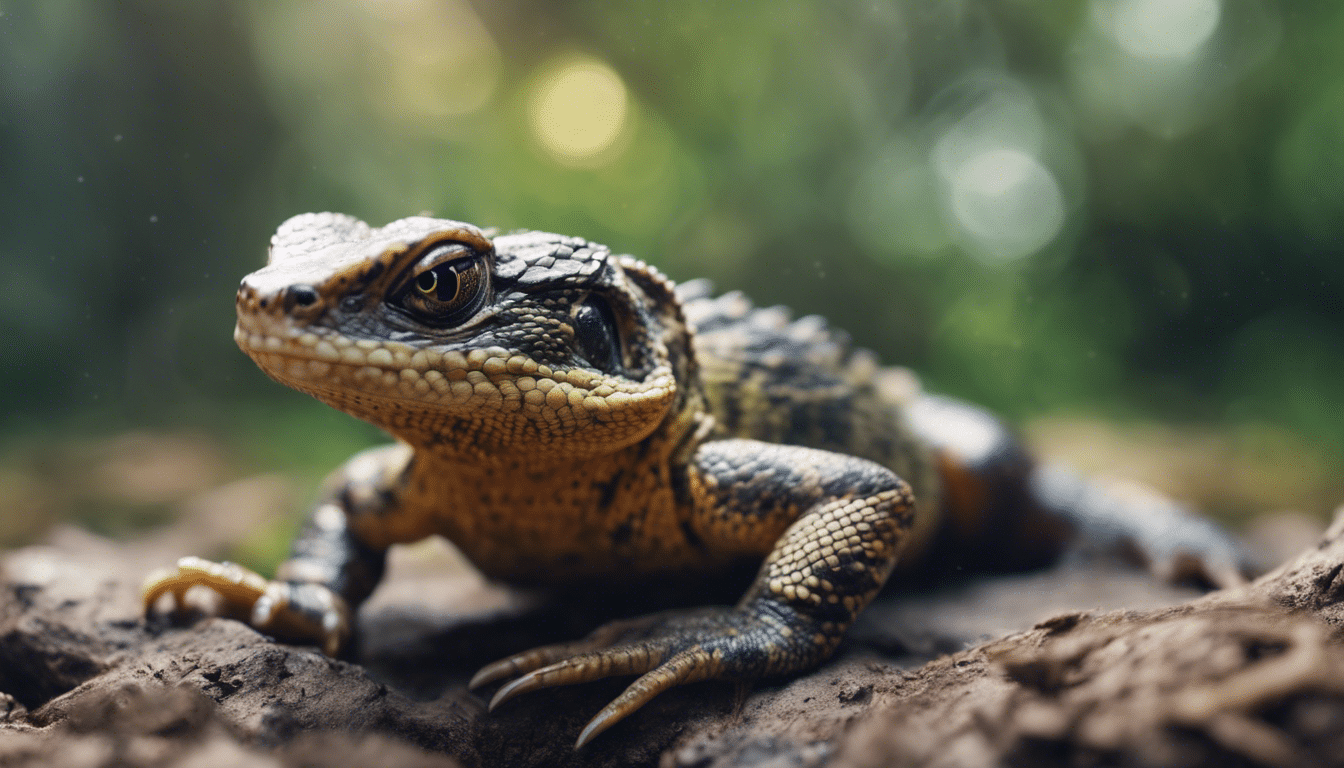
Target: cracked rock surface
x: 1074, y: 666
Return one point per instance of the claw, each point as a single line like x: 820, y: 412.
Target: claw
x: 514, y: 665
x: 685, y: 667
x: 663, y: 650
x: 238, y: 585
x: 522, y: 685
x: 305, y: 611
x: 599, y: 724
x: 582, y: 669
x: 605, y: 637
x: 493, y: 671
x: 658, y: 673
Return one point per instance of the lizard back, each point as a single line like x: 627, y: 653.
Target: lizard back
x: 768, y: 376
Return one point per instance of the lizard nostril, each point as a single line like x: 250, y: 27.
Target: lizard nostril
x: 300, y: 296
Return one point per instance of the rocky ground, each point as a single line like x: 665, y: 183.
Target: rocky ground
x: 1082, y: 665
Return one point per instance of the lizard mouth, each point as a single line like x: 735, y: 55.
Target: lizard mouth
x: 377, y: 379
x: 330, y: 361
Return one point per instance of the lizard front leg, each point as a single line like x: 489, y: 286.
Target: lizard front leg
x: 332, y: 568
x: 832, y: 526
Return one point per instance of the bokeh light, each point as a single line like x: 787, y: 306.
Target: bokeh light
x: 578, y: 110
x: 1166, y: 65
x: 441, y: 59
x: 1007, y: 203
x: 1000, y: 199
x: 1158, y: 29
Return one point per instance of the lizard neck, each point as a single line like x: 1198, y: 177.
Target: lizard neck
x: 525, y: 521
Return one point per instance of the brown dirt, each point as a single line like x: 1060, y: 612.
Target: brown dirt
x: 1075, y: 666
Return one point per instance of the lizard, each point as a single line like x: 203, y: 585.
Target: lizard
x: 564, y: 414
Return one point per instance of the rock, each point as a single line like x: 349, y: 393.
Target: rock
x: 1253, y: 676
x: 1071, y: 666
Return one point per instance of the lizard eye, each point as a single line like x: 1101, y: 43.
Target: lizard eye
x: 428, y: 283
x: 596, y: 336
x: 446, y: 285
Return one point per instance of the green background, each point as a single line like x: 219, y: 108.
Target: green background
x: 1125, y: 209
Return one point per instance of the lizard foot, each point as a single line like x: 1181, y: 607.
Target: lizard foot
x: 665, y: 650
x: 306, y: 612
x: 1176, y: 545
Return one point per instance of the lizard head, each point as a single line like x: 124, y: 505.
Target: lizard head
x: 525, y: 346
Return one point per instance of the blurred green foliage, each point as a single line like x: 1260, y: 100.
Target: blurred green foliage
x: 1113, y: 206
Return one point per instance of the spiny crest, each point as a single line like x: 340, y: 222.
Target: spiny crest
x: 770, y: 335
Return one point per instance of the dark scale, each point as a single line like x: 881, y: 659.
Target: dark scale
x: 570, y: 418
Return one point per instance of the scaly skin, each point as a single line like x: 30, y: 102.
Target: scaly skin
x: 566, y: 414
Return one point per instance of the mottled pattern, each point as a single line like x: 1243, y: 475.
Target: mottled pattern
x: 567, y: 415
x: 558, y: 422
x: 506, y: 384
x: 770, y: 377
x: 833, y: 524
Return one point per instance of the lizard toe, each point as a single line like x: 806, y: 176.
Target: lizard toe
x: 307, y: 612
x: 584, y: 668
x: 528, y: 661
x: 239, y: 587
x: 664, y: 650
x: 608, y: 636
x: 685, y: 667
x: 304, y: 611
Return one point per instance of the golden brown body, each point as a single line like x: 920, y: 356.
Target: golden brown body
x: 564, y: 414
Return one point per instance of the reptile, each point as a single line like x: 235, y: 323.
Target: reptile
x: 566, y: 415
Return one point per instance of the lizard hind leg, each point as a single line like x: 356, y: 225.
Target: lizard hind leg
x: 830, y: 526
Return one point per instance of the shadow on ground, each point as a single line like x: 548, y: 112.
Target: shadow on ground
x: 1074, y: 666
